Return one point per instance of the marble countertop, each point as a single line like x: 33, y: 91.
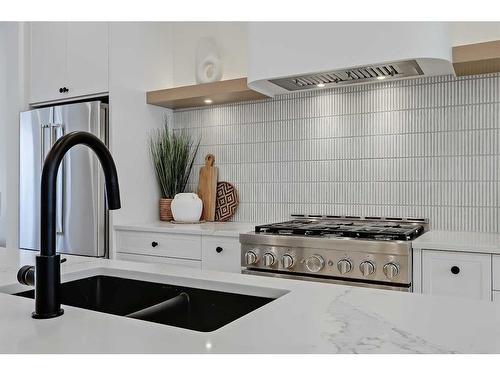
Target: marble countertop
x: 224, y: 229
x: 308, y: 318
x: 474, y: 242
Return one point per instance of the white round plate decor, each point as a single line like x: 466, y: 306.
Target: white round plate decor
x: 187, y: 222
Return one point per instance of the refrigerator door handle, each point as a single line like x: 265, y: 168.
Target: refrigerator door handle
x: 56, y: 132
x: 43, y: 152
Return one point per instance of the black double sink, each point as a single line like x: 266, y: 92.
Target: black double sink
x: 191, y: 308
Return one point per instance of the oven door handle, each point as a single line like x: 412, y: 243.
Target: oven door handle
x: 282, y: 275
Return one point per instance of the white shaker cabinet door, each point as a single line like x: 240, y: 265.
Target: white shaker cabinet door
x: 457, y: 274
x: 221, y: 254
x: 68, y: 60
x: 87, y: 58
x: 48, y: 60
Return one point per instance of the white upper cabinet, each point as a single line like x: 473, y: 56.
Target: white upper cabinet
x: 48, y: 60
x: 87, y: 58
x: 71, y: 57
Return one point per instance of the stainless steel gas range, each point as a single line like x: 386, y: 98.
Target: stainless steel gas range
x: 363, y: 251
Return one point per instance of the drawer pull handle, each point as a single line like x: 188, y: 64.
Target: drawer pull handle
x: 219, y: 249
x: 154, y: 243
x: 455, y: 270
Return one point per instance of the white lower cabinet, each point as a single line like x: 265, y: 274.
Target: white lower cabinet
x: 456, y: 274
x: 220, y: 254
x: 191, y: 250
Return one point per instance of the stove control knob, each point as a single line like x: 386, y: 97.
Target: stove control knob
x: 287, y: 261
x: 315, y: 263
x: 250, y: 257
x: 344, y: 266
x: 391, y: 270
x: 367, y: 268
x: 269, y: 259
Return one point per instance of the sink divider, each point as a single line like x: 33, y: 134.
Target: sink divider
x: 170, y: 305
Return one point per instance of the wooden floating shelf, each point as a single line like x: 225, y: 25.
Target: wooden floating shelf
x: 222, y: 92
x: 478, y: 58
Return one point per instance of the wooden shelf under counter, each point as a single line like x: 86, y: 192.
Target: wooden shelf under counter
x: 221, y: 92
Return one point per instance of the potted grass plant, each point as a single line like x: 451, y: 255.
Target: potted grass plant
x: 172, y: 154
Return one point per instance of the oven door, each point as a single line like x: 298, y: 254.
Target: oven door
x: 401, y: 288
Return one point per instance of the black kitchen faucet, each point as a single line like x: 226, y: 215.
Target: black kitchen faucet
x: 46, y: 275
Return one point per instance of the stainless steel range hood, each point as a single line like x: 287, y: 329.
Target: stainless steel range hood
x: 403, y: 69
x: 286, y: 57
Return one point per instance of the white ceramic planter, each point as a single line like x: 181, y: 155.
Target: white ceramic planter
x: 187, y: 207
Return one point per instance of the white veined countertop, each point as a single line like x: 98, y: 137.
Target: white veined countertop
x: 475, y: 242
x: 223, y: 229
x: 308, y: 318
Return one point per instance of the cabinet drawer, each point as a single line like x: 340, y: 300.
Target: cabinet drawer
x: 152, y: 259
x: 221, y: 254
x: 456, y: 274
x: 159, y: 244
x: 496, y: 272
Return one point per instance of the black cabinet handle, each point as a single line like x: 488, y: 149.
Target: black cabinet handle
x: 63, y: 89
x: 154, y: 243
x: 455, y: 270
x: 219, y: 249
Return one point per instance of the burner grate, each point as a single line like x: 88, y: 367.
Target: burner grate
x: 378, y: 230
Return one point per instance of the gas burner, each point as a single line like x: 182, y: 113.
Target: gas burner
x: 355, y: 228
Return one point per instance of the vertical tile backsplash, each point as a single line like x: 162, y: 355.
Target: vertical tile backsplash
x: 428, y: 147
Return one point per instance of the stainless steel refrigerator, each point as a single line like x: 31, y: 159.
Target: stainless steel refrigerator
x: 81, y: 218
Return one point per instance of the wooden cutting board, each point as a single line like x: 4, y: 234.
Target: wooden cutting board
x: 207, y: 187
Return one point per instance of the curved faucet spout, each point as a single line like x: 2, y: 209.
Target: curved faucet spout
x: 49, y: 183
x: 47, y: 272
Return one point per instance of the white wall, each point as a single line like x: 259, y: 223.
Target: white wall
x: 140, y: 60
x: 230, y: 37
